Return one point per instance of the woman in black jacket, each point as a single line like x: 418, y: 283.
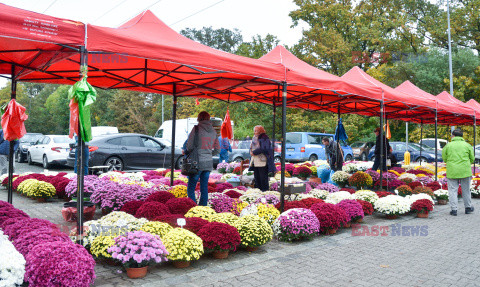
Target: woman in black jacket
x: 262, y: 158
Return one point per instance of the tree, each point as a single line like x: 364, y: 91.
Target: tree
x: 221, y: 39
x: 258, y: 46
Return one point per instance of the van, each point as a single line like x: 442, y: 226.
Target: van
x: 441, y: 143
x: 103, y: 130
x: 303, y: 146
x: 182, y: 129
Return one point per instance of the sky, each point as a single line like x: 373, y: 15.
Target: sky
x: 251, y: 17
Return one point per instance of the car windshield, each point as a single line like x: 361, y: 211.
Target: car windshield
x: 354, y: 145
x: 294, y: 138
x: 64, y: 139
x: 422, y: 147
x: 30, y: 138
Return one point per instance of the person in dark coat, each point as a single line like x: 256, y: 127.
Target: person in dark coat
x: 262, y: 158
x: 333, y: 153
x: 386, y: 148
x: 4, y: 151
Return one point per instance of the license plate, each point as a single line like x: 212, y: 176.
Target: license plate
x: 290, y: 149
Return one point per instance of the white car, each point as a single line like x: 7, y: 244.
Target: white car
x: 50, y: 149
x: 441, y: 143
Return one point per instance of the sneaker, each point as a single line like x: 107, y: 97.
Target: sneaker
x: 453, y: 212
x: 469, y: 210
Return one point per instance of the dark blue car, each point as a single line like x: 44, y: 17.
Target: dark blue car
x: 303, y: 146
x: 399, y: 148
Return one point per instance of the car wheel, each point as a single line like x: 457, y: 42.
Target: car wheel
x: 348, y: 157
x: 29, y: 159
x: 421, y: 160
x: 45, y: 162
x: 277, y: 159
x: 238, y: 159
x: 114, y: 163
x: 363, y: 157
x: 179, y: 162
x: 313, y: 157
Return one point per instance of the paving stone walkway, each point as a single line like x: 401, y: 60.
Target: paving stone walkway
x: 439, y: 251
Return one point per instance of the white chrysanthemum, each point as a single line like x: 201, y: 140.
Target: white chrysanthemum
x: 442, y: 192
x: 392, y: 205
x: 350, y: 168
x: 414, y: 197
x: 473, y: 188
x: 338, y: 196
x: 407, y: 176
x: 366, y: 195
x: 301, y: 196
x: 340, y: 176
x: 319, y: 193
x: 251, y: 195
x: 12, y: 265
x: 364, y: 165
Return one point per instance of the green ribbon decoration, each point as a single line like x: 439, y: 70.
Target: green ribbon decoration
x: 84, y: 94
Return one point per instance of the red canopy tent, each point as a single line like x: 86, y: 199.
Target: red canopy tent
x: 447, y: 114
x: 474, y: 105
x: 456, y: 104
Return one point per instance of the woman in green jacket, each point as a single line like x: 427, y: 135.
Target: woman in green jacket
x: 459, y: 156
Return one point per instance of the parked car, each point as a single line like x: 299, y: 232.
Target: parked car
x: 49, y: 149
x: 241, y: 151
x: 399, y: 148
x: 477, y: 154
x: 128, y: 151
x: 361, y: 149
x: 431, y: 143
x: 303, y: 146
x: 25, y: 142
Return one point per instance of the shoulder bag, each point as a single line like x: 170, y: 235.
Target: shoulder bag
x: 190, y: 162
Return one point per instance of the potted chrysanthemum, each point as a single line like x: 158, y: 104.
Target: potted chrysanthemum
x: 219, y: 238
x: 183, y: 247
x: 422, y: 207
x: 254, y: 231
x: 392, y: 206
x: 442, y: 196
x: 136, y: 250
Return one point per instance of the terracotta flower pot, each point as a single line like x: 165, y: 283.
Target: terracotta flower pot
x: 315, y: 179
x: 348, y: 225
x: 442, y: 202
x: 41, y: 199
x: 135, y: 273
x: 251, y: 248
x: 220, y: 254
x: 360, y: 220
x: 422, y: 215
x: 331, y: 231
x: 391, y: 216
x: 181, y: 264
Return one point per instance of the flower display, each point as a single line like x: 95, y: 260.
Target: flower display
x: 328, y: 186
x: 366, y: 206
x: 414, y: 197
x: 238, y: 206
x: 392, y: 205
x: 349, y: 190
x: 60, y: 183
x: 397, y: 169
x: 25, y: 225
x: 404, y: 190
x: 253, y: 230
x: 327, y: 215
x: 225, y: 217
x: 415, y: 184
x: 160, y: 196
x: 302, y: 171
x: 183, y: 245
x: 352, y: 208
x: 219, y: 236
x: 100, y: 245
x: 422, y: 206
x: 423, y: 189
x: 383, y: 193
x: 118, y: 194
x: 179, y: 191
x: 441, y: 194
x: 156, y: 228
x: 340, y: 178
x: 152, y: 209
x: 232, y: 193
x: 350, y: 168
x: 12, y: 265
x: 407, y: 177
x: 180, y: 205
x: 374, y: 174
x: 291, y: 204
x: 310, y: 201
x: 30, y: 238
x: 131, y: 207
x: 268, y: 198
x: 222, y: 167
x: 138, y: 249
x: 59, y: 264
x: 220, y: 202
x: 223, y: 186
x: 319, y: 193
x: 169, y: 218
x: 296, y: 224
x: 266, y: 211
x: 8, y: 213
x: 434, y: 185
x: 338, y: 196
x: 204, y: 212
x: 89, y: 182
x: 366, y: 195
x: 251, y: 196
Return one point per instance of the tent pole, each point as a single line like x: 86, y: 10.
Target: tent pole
x: 284, y: 132
x: 406, y: 136
x: 273, y: 127
x: 421, y: 137
x: 381, y: 144
x: 174, y: 123
x: 337, y: 157
x: 12, y: 143
x: 474, y: 141
x: 436, y: 147
x: 80, y: 171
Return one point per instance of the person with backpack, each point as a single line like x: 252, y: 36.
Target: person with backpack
x: 4, y: 151
x: 333, y: 153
